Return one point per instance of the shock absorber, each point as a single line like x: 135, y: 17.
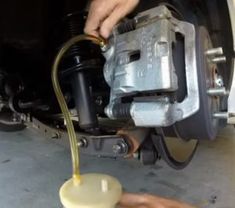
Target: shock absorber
x: 77, y: 66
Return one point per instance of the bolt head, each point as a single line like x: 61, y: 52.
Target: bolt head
x: 117, y: 148
x: 55, y: 135
x: 99, y: 100
x: 219, y: 81
x: 82, y: 143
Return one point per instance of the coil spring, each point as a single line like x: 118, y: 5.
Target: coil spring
x: 75, y: 25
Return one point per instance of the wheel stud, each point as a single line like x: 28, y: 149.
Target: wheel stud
x: 221, y: 115
x: 214, y: 51
x: 220, y: 59
x: 220, y: 91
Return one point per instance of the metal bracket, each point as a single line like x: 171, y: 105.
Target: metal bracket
x: 231, y: 7
x: 231, y: 99
x: 104, y: 146
x: 112, y: 146
x: 162, y: 149
x: 152, y: 114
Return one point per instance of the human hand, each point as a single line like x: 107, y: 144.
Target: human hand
x: 105, y: 14
x: 149, y: 201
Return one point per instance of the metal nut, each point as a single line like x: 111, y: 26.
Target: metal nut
x: 117, y: 149
x: 82, y: 143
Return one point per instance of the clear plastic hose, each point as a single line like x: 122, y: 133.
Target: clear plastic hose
x: 62, y: 102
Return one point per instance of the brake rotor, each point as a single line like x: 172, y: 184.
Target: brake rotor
x: 202, y: 125
x: 176, y: 152
x: 179, y: 149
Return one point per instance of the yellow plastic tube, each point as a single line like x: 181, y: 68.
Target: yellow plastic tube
x: 62, y: 102
x: 89, y: 190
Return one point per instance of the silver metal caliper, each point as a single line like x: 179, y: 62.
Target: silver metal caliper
x: 140, y: 60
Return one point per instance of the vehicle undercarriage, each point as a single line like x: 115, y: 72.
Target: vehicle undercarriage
x: 166, y: 74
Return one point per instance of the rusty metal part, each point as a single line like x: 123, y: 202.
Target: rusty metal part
x: 135, y: 137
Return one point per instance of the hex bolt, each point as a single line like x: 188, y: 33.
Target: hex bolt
x: 219, y: 82
x: 120, y: 148
x: 82, y: 143
x: 220, y: 59
x: 117, y: 149
x: 214, y: 51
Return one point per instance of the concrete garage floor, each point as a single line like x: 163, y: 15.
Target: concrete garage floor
x: 33, y: 168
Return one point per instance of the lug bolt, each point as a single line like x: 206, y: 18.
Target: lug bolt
x: 220, y: 91
x: 221, y: 115
x: 217, y: 60
x: 214, y: 51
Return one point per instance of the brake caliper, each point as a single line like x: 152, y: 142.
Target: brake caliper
x: 139, y: 61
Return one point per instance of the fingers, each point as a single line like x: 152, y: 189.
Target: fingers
x: 117, y: 14
x: 97, y: 13
x: 105, y: 14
